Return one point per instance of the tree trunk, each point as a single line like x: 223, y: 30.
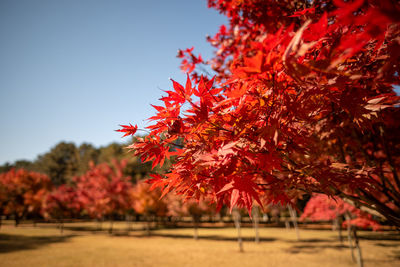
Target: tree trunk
x: 359, y: 254
x: 236, y: 219
x: 340, y: 232
x: 99, y: 224
x: 16, y: 218
x: 110, y: 230
x: 195, y: 225
x: 256, y: 219
x: 265, y: 217
x: 337, y: 225
x: 128, y: 219
x: 293, y: 216
x: 61, y: 225
x: 147, y: 226
x: 347, y: 216
x: 287, y: 224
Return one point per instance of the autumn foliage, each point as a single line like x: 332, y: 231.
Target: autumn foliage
x: 323, y: 208
x: 62, y: 203
x: 147, y: 202
x: 302, y: 101
x: 104, y: 190
x: 23, y: 192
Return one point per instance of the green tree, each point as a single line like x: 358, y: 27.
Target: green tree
x: 6, y: 167
x: 61, y: 163
x: 111, y: 152
x: 87, y: 153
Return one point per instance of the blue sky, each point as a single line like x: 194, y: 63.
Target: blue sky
x: 74, y: 70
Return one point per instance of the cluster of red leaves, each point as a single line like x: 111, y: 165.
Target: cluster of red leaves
x: 104, y: 190
x: 189, y: 60
x: 22, y: 192
x: 298, y: 85
x: 178, y: 207
x: 148, y: 202
x: 323, y: 208
x: 61, y: 203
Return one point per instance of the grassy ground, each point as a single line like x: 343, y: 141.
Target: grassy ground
x: 80, y: 245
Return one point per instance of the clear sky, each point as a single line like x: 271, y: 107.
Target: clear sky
x: 74, y: 70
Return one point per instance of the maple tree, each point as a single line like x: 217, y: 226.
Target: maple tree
x: 61, y: 203
x: 23, y: 192
x: 196, y: 209
x: 323, y: 208
x: 302, y: 101
x: 148, y: 203
x: 104, y: 190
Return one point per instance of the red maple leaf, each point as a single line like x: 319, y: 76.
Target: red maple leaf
x: 128, y: 129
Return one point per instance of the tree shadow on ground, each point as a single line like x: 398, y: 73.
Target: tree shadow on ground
x: 10, y: 243
x: 309, y: 240
x: 396, y: 254
x: 393, y: 245
x: 380, y: 236
x: 310, y: 249
x: 104, y: 229
x: 206, y: 237
x: 84, y: 229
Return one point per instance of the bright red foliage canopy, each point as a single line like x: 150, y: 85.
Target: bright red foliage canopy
x: 302, y: 101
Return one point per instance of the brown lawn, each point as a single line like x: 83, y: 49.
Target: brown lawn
x: 43, y: 245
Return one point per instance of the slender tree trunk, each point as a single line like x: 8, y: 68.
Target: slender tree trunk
x: 236, y: 219
x: 293, y: 216
x: 347, y: 216
x: 256, y: 219
x: 110, y: 230
x: 195, y: 226
x: 340, y: 232
x: 265, y: 217
x: 337, y: 225
x: 129, y: 223
x: 359, y: 254
x: 16, y: 218
x: 61, y: 225
x: 147, y: 226
x: 287, y: 224
x: 99, y: 224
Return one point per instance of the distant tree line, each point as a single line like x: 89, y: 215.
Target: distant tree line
x: 67, y: 160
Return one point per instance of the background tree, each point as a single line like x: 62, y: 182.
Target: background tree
x: 60, y: 163
x: 323, y: 208
x: 104, y: 191
x: 87, y: 153
x: 179, y: 207
x: 60, y: 204
x: 23, y: 193
x: 113, y: 151
x: 148, y: 203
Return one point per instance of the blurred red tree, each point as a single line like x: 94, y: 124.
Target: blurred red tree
x: 23, y: 193
x: 148, y: 203
x: 196, y: 209
x: 104, y: 190
x: 323, y: 208
x: 61, y: 203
